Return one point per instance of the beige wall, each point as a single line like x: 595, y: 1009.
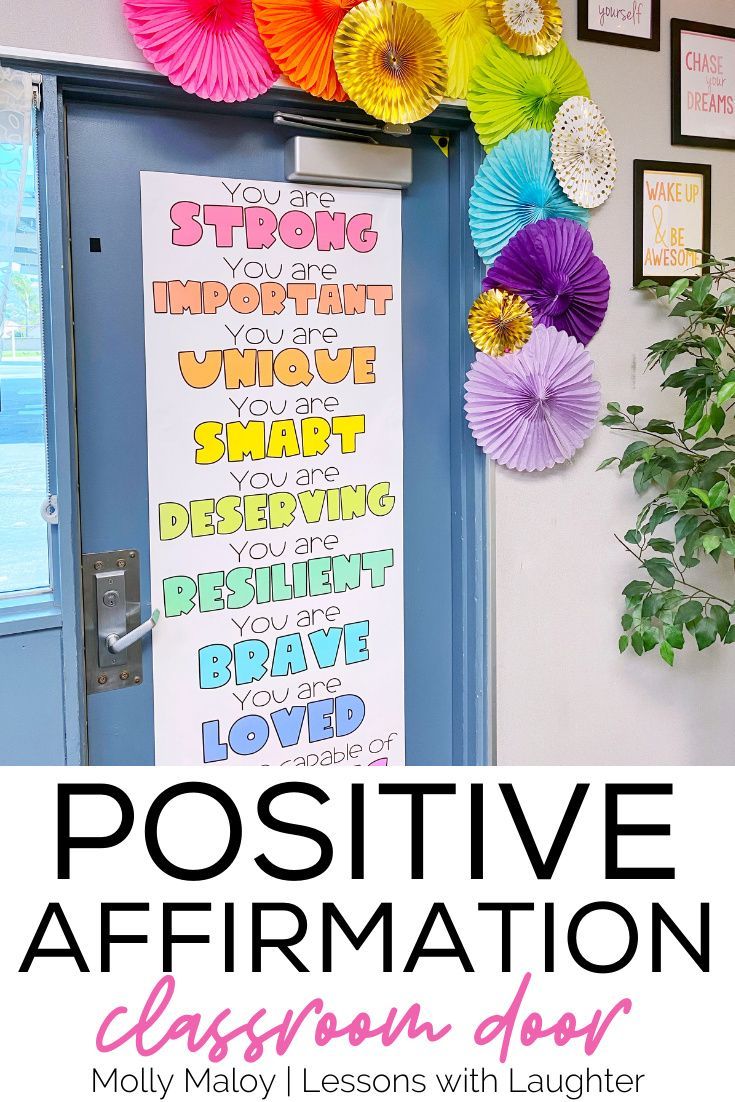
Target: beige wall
x: 70, y: 30
x: 563, y: 693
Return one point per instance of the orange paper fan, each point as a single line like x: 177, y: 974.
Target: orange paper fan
x: 299, y: 36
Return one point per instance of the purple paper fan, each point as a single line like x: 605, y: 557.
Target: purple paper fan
x: 532, y: 409
x: 552, y: 266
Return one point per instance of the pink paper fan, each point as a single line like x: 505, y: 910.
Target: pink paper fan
x: 209, y: 47
x: 532, y: 409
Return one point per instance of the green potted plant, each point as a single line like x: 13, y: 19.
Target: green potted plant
x: 685, y: 468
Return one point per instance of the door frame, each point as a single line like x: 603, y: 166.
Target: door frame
x: 472, y: 539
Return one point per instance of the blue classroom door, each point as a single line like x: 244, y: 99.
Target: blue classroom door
x: 108, y: 147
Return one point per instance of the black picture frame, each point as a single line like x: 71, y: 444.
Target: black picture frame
x: 639, y: 172
x: 585, y: 33
x: 677, y: 138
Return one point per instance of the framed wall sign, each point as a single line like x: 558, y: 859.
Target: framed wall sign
x: 702, y: 84
x: 634, y: 23
x: 672, y: 219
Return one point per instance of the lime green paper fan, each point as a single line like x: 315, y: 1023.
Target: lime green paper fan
x: 509, y: 91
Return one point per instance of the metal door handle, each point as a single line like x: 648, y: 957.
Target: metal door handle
x: 116, y: 644
x: 111, y: 587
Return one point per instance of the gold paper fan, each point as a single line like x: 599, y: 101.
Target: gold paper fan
x: 464, y: 28
x: 527, y: 26
x: 390, y: 61
x: 499, y: 322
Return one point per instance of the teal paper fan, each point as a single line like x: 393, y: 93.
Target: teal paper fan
x: 516, y: 185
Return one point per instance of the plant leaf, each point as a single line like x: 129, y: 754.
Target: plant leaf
x: 667, y: 653
x: 636, y: 589
x: 677, y: 287
x: 658, y: 516
x: 694, y: 414
x: 684, y: 526
x: 651, y: 605
x: 665, y: 547
x: 721, y: 619
x: 675, y: 638
x: 711, y: 541
x: 701, y: 288
x: 704, y: 426
x: 727, y: 298
x: 717, y: 417
x: 632, y: 452
x: 688, y: 613
x: 642, y: 478
x: 726, y: 392
x: 705, y: 632
x: 718, y: 495
x: 660, y: 571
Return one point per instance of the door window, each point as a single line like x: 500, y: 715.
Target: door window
x: 24, y: 536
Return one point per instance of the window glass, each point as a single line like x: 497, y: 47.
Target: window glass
x: 24, y: 536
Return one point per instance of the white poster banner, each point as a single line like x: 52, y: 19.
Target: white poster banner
x: 707, y: 85
x: 275, y: 459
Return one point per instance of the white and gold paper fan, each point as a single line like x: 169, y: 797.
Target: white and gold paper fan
x: 583, y: 152
x: 527, y: 26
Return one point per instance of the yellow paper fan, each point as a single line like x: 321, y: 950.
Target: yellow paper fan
x: 464, y: 28
x: 528, y: 26
x: 390, y: 61
x: 499, y: 322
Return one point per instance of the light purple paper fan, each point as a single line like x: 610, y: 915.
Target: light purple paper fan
x: 532, y: 409
x: 552, y: 265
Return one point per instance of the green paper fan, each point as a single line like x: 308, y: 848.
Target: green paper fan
x: 509, y: 91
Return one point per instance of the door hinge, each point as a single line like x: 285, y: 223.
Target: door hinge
x: 37, y: 91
